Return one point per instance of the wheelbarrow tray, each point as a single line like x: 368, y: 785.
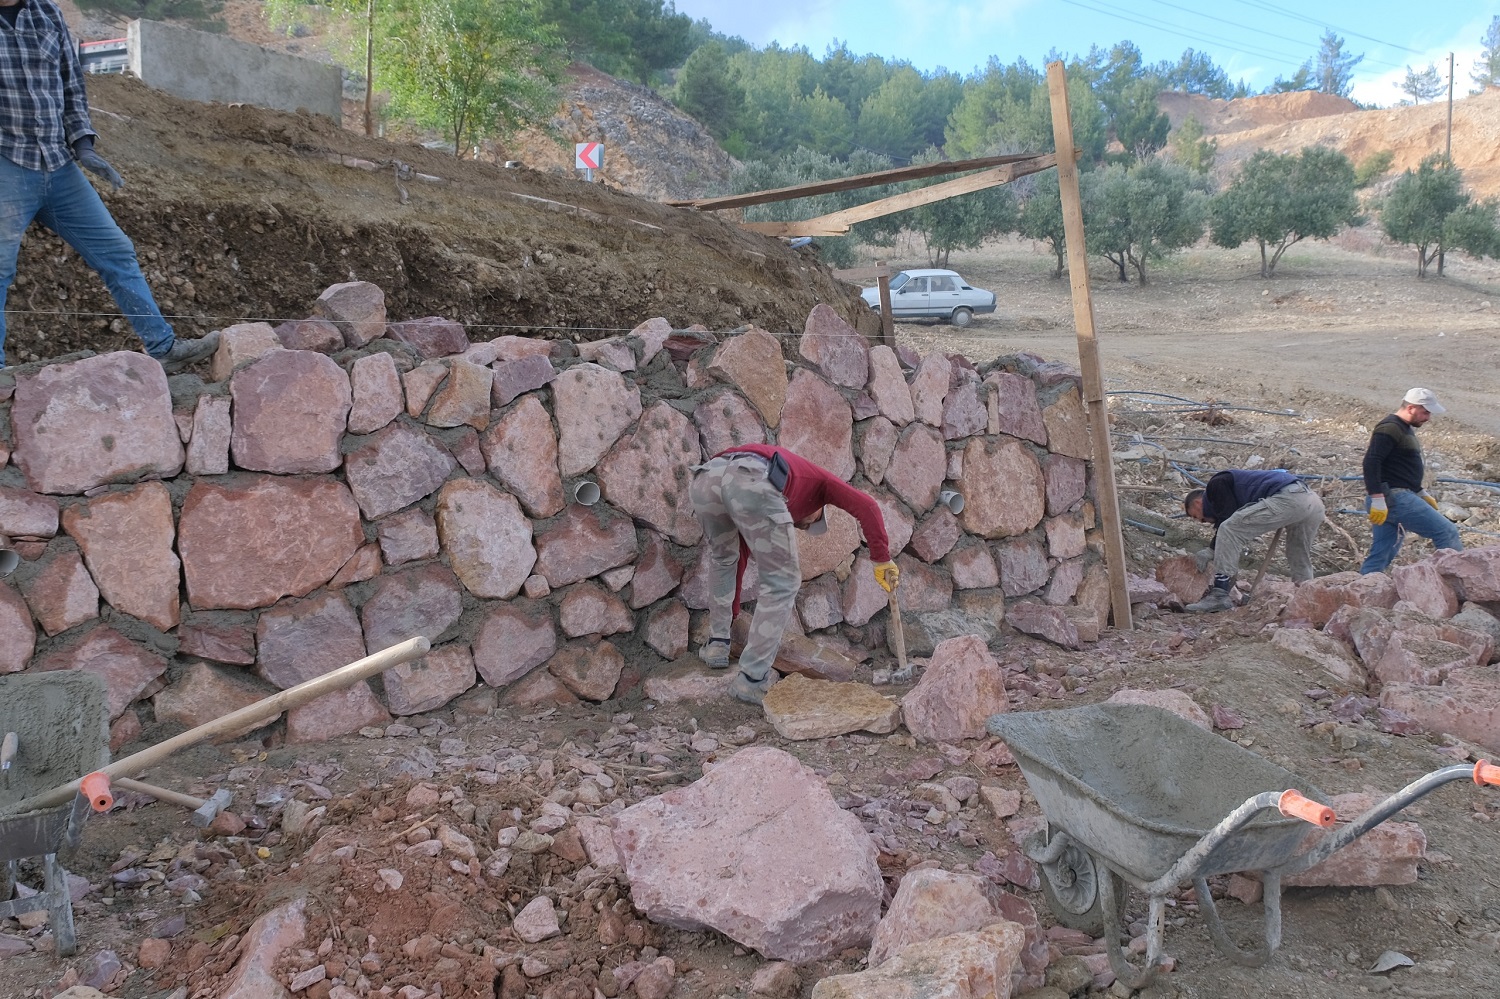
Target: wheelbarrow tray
x: 1139, y: 786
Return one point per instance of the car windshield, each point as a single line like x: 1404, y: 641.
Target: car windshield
x: 899, y: 280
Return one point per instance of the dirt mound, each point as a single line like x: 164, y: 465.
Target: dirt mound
x: 240, y: 213
x: 1218, y: 116
x: 650, y: 148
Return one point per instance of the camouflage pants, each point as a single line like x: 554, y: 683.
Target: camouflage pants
x: 733, y: 500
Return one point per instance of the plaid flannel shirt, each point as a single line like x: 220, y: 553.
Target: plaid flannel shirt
x: 43, y: 107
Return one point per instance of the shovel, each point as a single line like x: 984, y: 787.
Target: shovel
x: 1265, y: 563
x: 903, y: 673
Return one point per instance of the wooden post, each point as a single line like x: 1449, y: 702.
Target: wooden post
x: 1088, y: 345
x: 887, y: 321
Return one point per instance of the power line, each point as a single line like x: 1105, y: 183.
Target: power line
x: 1158, y: 25
x: 1259, y: 31
x: 1272, y: 8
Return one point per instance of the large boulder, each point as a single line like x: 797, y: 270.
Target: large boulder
x: 837, y: 348
x: 1467, y: 705
x: 1004, y: 490
x: 17, y: 633
x: 291, y: 409
x: 357, y: 308
x: 725, y: 420
x: 425, y: 600
x: 521, y: 451
x: 582, y: 543
x: 1317, y: 599
x: 648, y: 472
x: 233, y: 538
x: 960, y: 688
x: 929, y: 387
x: 127, y: 539
x: 888, y: 386
x: 515, y: 637
x: 800, y: 708
x: 126, y: 667
x: 62, y: 595
x: 1474, y: 574
x: 300, y: 640
x: 395, y: 467
x: 486, y: 537
x: 752, y: 363
x: 818, y: 424
x: 1386, y: 855
x: 976, y: 965
x: 731, y: 829
x: 930, y: 904
x: 593, y: 406
x: 917, y: 467
x: 80, y: 424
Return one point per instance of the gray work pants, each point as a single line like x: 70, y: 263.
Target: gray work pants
x: 1296, y: 508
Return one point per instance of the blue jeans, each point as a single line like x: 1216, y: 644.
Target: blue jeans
x: 1405, y: 509
x: 64, y: 201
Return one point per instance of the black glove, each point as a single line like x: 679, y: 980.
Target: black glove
x: 96, y: 164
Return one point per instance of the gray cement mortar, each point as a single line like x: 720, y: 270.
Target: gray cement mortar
x: 62, y: 727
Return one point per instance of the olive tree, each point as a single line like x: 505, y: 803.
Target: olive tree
x: 1278, y: 200
x: 1428, y: 209
x: 1041, y: 218
x: 1142, y: 213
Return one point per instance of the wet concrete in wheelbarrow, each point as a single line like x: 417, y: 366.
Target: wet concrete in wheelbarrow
x: 61, y: 728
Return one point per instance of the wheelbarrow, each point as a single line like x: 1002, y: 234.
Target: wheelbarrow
x: 1137, y: 797
x: 54, y: 726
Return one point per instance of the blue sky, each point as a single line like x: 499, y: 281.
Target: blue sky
x: 1264, y: 39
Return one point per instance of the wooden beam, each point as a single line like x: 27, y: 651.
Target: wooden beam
x: 854, y: 274
x: 849, y: 183
x: 1088, y: 346
x: 887, y: 319
x: 838, y: 223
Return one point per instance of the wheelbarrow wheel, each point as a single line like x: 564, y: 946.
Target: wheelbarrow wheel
x: 1071, y: 886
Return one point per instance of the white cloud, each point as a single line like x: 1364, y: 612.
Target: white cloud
x: 1384, y: 88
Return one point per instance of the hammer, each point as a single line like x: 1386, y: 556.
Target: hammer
x: 204, y: 812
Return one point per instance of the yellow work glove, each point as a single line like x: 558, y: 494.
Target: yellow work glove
x: 1377, y: 510
x: 1428, y: 498
x: 887, y: 575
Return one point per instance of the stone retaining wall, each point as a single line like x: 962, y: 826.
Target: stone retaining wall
x: 344, y: 483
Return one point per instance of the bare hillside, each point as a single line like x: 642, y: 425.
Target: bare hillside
x: 1288, y: 122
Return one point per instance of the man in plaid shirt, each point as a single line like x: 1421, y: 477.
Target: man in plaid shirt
x: 45, y: 137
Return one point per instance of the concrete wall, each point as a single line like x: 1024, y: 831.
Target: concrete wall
x: 204, y: 67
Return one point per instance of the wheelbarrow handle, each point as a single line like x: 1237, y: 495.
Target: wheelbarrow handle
x: 95, y: 787
x: 1294, y: 805
x: 1486, y: 772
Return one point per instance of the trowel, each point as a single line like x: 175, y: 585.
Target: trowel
x: 8, y: 750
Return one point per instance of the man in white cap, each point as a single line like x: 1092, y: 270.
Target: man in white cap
x: 1393, y: 479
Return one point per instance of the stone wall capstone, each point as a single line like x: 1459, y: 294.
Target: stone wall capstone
x: 310, y: 505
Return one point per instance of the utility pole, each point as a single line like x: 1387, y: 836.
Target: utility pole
x: 1448, y: 148
x: 1448, y: 145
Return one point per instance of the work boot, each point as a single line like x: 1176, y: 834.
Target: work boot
x: 1215, y: 600
x: 752, y: 691
x: 715, y: 653
x: 186, y: 352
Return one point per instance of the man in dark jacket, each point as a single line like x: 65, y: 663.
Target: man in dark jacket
x: 751, y: 500
x: 1243, y: 504
x: 45, y: 137
x: 1393, y: 480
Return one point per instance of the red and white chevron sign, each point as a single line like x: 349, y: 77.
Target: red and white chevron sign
x: 588, y: 155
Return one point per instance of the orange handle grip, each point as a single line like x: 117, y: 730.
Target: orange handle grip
x: 1486, y: 772
x: 1294, y: 805
x: 95, y: 787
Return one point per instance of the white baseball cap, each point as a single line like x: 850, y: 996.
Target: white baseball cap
x: 1425, y: 398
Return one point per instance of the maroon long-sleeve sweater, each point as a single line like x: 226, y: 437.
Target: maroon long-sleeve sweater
x: 809, y: 488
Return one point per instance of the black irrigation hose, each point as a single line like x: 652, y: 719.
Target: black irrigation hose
x: 1149, y: 528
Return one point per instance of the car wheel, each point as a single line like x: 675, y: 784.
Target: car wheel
x: 961, y: 317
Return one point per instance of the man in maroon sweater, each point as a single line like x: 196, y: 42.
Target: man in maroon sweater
x: 750, y: 499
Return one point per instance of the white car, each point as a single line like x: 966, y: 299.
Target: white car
x: 933, y: 294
